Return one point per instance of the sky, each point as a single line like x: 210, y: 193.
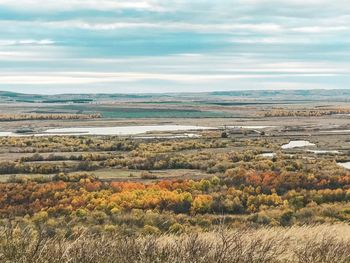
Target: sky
x: 133, y: 46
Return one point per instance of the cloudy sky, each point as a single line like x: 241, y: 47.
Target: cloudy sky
x: 60, y: 46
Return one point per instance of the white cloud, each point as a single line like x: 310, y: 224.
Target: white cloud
x: 180, y: 26
x: 27, y: 42
x: 54, y: 5
x: 21, y: 55
x: 298, y: 3
x: 108, y: 77
x: 319, y: 29
x: 273, y: 40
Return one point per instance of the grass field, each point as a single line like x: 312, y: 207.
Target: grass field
x: 134, y: 112
x: 132, y: 175
x: 316, y: 244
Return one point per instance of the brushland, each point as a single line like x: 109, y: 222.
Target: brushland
x: 295, y: 244
x: 228, y: 195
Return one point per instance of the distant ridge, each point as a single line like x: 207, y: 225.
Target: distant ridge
x: 255, y: 95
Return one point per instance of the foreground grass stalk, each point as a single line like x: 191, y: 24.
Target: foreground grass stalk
x: 295, y: 244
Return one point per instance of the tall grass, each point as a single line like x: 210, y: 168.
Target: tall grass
x: 323, y: 243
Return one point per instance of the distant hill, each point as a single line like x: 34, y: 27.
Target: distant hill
x: 248, y: 95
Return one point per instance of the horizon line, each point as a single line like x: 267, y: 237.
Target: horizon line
x: 182, y: 92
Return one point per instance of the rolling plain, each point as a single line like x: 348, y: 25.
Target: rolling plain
x: 253, y: 176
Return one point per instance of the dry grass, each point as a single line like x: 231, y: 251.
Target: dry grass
x: 317, y: 244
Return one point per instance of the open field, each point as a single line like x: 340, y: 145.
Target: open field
x: 283, y: 109
x: 272, y: 172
